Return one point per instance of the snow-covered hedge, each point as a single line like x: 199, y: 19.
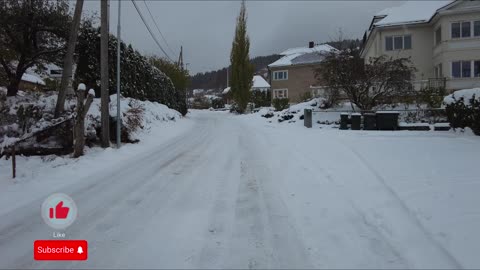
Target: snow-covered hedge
x: 463, y: 109
x: 140, y: 79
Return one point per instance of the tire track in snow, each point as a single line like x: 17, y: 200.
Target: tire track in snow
x: 272, y: 231
x: 444, y: 257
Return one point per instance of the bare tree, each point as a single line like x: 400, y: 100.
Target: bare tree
x: 68, y: 61
x: 32, y: 33
x: 378, y: 81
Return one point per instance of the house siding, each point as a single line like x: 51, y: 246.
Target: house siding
x: 300, y: 78
x: 458, y: 49
x: 420, y: 53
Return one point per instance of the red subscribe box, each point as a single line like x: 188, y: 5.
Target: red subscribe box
x: 60, y: 250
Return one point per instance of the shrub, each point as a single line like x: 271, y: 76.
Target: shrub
x: 462, y: 114
x: 280, y: 104
x: 260, y: 99
x: 218, y: 103
x: 306, y: 96
x: 134, y: 116
x: 432, y: 96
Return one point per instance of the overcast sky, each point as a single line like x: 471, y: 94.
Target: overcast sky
x: 205, y: 28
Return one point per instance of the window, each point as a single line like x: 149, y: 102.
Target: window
x: 389, y: 43
x: 461, y: 69
x: 476, y: 68
x: 398, y: 43
x: 407, y: 42
x: 280, y: 93
x: 476, y: 28
x: 455, y: 30
x: 438, y: 35
x: 465, y: 29
x: 280, y: 75
x: 466, y: 69
x: 456, y: 69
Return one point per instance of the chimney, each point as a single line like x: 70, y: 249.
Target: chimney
x: 311, y: 44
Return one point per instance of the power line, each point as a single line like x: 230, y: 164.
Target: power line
x: 150, y: 31
x: 156, y: 25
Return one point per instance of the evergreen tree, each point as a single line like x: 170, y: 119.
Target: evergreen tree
x: 242, y: 69
x: 179, y: 77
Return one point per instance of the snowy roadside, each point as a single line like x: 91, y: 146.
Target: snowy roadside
x: 403, y: 190
x: 37, y: 176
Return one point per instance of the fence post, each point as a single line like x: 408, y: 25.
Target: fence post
x: 14, y: 163
x: 307, y: 118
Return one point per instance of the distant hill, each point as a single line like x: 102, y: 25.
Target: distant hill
x: 218, y: 79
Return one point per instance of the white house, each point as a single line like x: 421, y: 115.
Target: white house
x: 441, y: 37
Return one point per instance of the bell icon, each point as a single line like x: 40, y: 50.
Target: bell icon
x: 80, y: 250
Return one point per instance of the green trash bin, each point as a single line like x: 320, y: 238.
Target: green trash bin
x: 369, y: 121
x: 307, y: 118
x: 356, y: 121
x: 344, y: 121
x: 387, y: 120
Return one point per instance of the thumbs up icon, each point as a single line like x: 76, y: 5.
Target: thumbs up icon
x: 60, y: 211
x: 80, y: 250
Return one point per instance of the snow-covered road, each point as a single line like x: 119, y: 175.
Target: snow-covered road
x: 231, y: 192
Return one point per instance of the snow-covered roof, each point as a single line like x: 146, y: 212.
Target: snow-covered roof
x: 411, y: 12
x: 226, y: 90
x: 302, y: 50
x: 259, y: 82
x: 303, y: 55
x: 198, y: 91
x: 32, y: 79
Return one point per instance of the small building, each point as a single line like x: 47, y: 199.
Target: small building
x: 260, y: 84
x: 293, y: 75
x: 31, y: 82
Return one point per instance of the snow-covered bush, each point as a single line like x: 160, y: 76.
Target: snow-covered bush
x: 463, y: 109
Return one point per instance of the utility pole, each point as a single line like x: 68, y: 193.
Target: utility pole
x: 119, y: 122
x: 104, y: 12
x: 186, y: 91
x: 180, y: 58
x: 68, y: 61
x: 227, y: 76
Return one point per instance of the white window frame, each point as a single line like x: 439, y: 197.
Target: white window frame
x: 283, y: 90
x: 403, y: 42
x: 274, y: 77
x: 472, y: 71
x: 472, y: 29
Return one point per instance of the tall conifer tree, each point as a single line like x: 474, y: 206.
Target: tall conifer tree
x: 242, y: 69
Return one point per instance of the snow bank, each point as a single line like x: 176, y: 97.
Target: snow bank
x: 43, y: 104
x: 151, y: 113
x: 466, y: 94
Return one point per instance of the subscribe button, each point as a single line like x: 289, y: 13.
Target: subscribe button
x: 60, y: 250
